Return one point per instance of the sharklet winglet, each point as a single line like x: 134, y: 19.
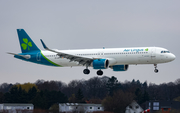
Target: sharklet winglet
x: 44, y: 45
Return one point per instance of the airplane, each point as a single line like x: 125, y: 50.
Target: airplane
x: 118, y: 59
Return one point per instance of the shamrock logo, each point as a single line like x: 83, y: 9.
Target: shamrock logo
x: 26, y: 44
x: 146, y: 49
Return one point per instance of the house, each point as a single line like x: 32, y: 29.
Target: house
x: 162, y: 105
x: 166, y: 109
x: 16, y: 108
x: 79, y: 107
x: 134, y: 108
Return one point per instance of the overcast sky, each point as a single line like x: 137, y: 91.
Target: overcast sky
x: 82, y: 24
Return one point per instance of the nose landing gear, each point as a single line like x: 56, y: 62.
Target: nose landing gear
x: 156, y: 70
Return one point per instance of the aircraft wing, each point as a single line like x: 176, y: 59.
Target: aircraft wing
x: 82, y: 60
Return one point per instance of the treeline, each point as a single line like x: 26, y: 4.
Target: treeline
x: 29, y: 93
x: 114, y: 95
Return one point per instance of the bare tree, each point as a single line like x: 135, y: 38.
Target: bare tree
x: 118, y: 102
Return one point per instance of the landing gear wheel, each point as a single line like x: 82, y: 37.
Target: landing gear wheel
x: 99, y: 72
x: 86, y: 71
x: 156, y: 70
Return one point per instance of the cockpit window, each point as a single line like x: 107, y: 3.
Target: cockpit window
x: 165, y: 52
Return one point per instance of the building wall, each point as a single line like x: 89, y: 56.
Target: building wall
x: 18, y: 107
x: 82, y: 107
x: 133, y: 108
x: 1, y: 107
x: 157, y: 105
x: 15, y: 107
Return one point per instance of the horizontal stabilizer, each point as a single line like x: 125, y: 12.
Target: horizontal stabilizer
x: 24, y: 56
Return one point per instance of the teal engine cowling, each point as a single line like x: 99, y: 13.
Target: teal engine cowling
x: 120, y: 67
x: 100, y: 64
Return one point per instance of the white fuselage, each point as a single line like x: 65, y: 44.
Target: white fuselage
x: 118, y: 56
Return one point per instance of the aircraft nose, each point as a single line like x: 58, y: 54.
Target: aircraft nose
x: 172, y: 57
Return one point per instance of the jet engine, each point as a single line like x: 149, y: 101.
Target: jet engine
x: 100, y: 64
x: 119, y: 67
x: 103, y: 63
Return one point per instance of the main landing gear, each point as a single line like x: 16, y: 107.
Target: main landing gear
x: 99, y: 72
x: 156, y: 70
x: 87, y: 71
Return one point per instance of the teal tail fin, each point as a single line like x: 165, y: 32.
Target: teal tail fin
x: 26, y: 44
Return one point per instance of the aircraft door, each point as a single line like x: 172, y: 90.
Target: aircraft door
x: 153, y: 54
x: 38, y: 57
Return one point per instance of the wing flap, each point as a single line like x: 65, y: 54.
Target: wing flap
x: 82, y: 60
